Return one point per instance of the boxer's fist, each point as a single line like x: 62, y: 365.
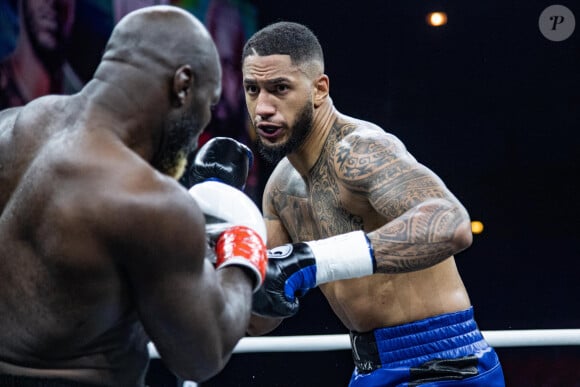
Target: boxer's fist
x: 225, y: 207
x: 223, y: 159
x: 274, y: 299
x: 294, y: 269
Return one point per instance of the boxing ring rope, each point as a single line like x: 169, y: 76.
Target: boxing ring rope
x: 309, y: 343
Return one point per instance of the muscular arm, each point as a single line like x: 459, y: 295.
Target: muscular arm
x: 368, y: 181
x: 277, y: 235
x: 425, y: 225
x: 194, y: 314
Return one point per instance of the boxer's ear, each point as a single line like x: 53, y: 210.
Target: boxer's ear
x: 321, y: 89
x: 182, y: 83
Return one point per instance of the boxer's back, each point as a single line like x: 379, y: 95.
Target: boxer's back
x: 58, y: 283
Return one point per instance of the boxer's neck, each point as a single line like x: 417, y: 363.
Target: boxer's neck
x: 304, y: 158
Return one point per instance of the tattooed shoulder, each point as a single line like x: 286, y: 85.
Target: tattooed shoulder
x: 364, y: 151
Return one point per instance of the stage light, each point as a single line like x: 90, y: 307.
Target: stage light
x: 437, y: 19
x: 476, y: 227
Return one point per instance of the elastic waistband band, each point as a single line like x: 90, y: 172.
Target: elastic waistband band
x: 446, y: 336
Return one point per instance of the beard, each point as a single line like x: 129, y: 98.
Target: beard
x: 180, y: 141
x: 299, y: 131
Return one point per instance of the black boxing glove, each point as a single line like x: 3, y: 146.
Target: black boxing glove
x: 224, y: 159
x: 294, y: 269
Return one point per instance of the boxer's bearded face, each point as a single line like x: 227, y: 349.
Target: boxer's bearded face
x: 181, y: 138
x: 273, y: 153
x: 279, y: 98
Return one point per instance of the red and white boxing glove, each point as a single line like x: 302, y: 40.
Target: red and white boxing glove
x: 242, y: 246
x: 235, y: 228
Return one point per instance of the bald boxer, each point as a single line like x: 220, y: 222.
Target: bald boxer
x: 350, y: 210
x: 101, y: 249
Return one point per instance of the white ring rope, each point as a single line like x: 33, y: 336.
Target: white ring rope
x: 308, y: 343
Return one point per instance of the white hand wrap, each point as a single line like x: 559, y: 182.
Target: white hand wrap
x: 343, y: 256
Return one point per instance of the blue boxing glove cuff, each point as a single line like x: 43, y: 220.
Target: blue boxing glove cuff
x: 299, y: 257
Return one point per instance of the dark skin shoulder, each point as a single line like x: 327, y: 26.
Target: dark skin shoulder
x: 97, y: 245
x: 100, y: 249
x: 55, y: 268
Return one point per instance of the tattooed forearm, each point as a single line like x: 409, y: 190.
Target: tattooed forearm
x: 393, y: 197
x: 420, y: 238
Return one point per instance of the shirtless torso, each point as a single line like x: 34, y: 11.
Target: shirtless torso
x: 58, y: 218
x: 373, y: 228
x: 101, y: 249
x: 323, y: 204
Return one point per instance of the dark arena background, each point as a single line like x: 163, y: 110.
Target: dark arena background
x: 490, y: 101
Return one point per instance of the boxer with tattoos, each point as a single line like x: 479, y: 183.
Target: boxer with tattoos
x: 350, y: 210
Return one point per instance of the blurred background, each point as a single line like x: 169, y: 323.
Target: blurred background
x: 489, y: 100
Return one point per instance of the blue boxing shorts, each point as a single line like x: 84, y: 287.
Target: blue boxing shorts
x: 444, y: 350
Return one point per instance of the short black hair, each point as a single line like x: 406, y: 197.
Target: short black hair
x: 285, y: 38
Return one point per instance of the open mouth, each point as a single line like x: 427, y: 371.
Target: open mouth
x: 268, y: 131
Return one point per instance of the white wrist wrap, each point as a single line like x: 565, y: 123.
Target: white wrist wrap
x: 343, y: 256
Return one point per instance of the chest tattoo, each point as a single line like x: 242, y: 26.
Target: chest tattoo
x: 316, y: 207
